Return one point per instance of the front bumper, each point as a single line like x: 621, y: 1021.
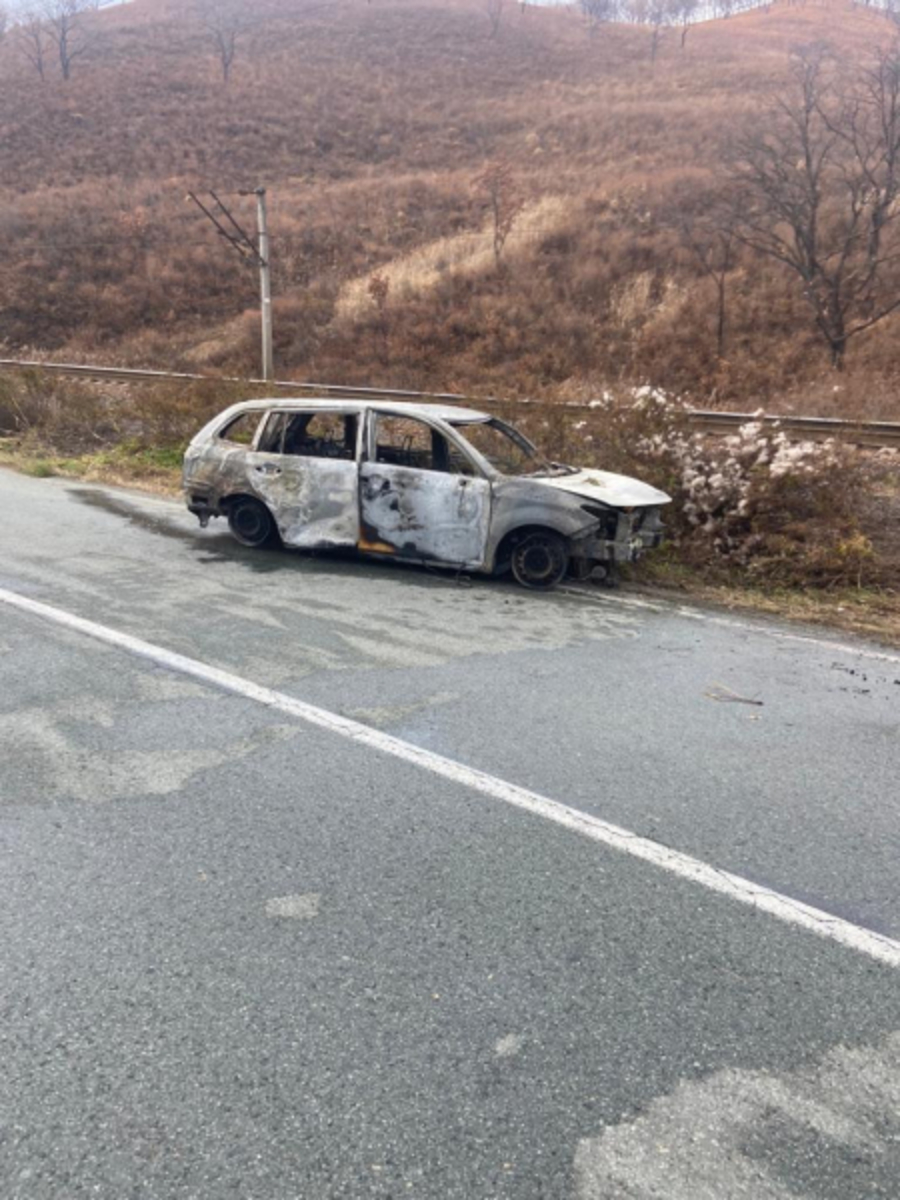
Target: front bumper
x: 635, y: 533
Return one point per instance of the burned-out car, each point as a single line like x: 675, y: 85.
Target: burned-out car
x: 422, y: 483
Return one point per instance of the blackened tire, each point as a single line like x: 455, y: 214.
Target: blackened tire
x: 540, y: 560
x: 251, y: 523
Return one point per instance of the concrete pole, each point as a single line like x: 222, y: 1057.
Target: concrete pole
x: 265, y: 286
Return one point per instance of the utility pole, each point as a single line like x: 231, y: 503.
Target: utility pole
x: 257, y: 253
x: 265, y: 284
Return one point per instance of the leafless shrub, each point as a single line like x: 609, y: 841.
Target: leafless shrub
x: 169, y: 414
x: 499, y: 191
x: 62, y: 414
x: 69, y: 417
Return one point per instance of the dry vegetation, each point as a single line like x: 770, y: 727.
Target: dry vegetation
x: 372, y: 124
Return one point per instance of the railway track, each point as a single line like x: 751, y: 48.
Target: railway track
x: 872, y: 434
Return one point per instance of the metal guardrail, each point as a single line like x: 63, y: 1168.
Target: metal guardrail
x: 876, y: 434
x: 872, y: 434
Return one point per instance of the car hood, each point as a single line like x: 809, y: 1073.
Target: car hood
x: 619, y: 491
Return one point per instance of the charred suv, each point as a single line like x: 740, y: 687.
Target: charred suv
x: 419, y: 482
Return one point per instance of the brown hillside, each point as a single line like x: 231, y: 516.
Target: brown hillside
x: 370, y: 124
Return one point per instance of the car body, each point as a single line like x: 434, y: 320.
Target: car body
x: 432, y: 483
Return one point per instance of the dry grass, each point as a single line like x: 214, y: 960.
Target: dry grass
x: 370, y: 122
x: 467, y: 255
x: 871, y: 613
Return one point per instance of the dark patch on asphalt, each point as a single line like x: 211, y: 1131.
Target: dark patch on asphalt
x: 222, y: 548
x: 219, y: 547
x: 134, y: 515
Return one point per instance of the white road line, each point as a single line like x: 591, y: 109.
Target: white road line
x: 793, y: 912
x: 694, y: 614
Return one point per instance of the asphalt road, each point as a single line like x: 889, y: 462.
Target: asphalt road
x: 245, y: 956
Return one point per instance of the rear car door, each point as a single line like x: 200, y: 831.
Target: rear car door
x: 305, y: 468
x: 420, y: 495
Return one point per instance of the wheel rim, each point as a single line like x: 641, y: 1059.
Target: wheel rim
x: 539, y: 561
x: 250, y: 522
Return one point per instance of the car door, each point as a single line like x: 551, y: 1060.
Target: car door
x: 420, y: 495
x: 305, y: 468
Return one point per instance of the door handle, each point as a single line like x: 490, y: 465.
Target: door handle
x: 267, y: 469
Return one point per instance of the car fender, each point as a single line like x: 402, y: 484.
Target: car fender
x: 517, y: 503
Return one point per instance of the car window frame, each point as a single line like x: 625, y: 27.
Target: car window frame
x: 312, y: 410
x: 219, y: 434
x: 433, y: 423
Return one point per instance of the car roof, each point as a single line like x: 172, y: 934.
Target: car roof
x: 442, y: 412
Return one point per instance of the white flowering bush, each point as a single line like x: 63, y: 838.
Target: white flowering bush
x: 777, y: 510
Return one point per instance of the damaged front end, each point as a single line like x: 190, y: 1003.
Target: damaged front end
x: 622, y: 535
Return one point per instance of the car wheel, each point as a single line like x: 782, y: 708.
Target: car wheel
x: 251, y: 522
x: 540, y: 560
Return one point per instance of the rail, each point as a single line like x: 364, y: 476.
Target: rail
x: 875, y: 434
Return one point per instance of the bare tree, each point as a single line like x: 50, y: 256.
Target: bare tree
x: 820, y: 191
x: 64, y: 28
x: 656, y: 14
x: 682, y: 13
x: 379, y: 289
x: 598, y: 12
x: 494, y: 10
x: 504, y: 201
x: 32, y: 41
x: 713, y: 241
x: 226, y: 23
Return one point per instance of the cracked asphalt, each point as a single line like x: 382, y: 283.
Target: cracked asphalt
x: 244, y: 957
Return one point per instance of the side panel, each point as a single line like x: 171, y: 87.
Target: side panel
x: 424, y: 514
x: 315, y: 501
x: 214, y: 463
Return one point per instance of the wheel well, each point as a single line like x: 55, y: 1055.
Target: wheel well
x: 226, y: 502
x: 501, y: 557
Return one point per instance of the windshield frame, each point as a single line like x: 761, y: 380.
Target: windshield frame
x: 543, y: 465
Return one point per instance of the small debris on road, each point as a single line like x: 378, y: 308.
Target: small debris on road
x: 719, y: 691
x: 297, y: 908
x: 509, y: 1046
